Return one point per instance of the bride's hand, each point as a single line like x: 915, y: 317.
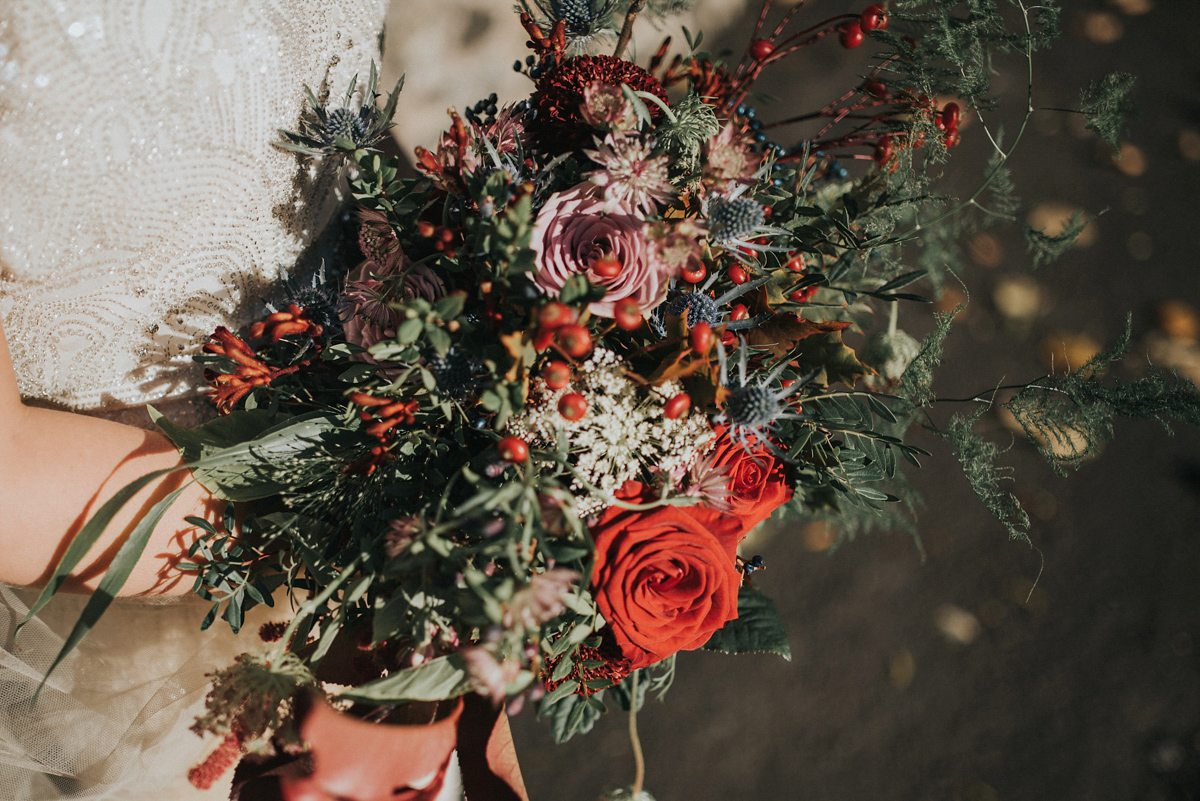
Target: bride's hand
x: 58, y: 468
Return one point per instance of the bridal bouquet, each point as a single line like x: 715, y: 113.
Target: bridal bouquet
x: 512, y: 447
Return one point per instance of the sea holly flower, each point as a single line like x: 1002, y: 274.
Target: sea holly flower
x: 630, y: 175
x: 584, y: 21
x: 346, y: 128
x: 576, y: 234
x: 753, y: 408
x: 735, y: 223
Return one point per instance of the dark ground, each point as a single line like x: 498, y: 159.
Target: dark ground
x: 1087, y: 689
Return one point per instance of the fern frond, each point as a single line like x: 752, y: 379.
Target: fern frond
x: 1107, y: 106
x: 978, y: 459
x: 1069, y: 417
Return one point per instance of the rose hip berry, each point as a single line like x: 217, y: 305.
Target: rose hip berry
x: 760, y: 49
x: 852, y: 35
x: 627, y: 314
x: 572, y: 406
x: 607, y: 266
x: 512, y: 449
x: 555, y: 314
x: 737, y: 275
x: 950, y: 115
x: 677, y: 406
x: 575, y: 340
x: 557, y: 375
x: 694, y: 273
x: 873, y: 18
x: 883, y: 150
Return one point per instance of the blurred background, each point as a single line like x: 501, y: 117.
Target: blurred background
x: 952, y: 675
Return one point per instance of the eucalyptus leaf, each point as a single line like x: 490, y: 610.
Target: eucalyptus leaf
x: 435, y: 680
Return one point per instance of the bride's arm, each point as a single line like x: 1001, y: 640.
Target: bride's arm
x: 58, y: 468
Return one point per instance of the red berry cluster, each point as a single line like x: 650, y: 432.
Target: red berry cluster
x: 873, y: 18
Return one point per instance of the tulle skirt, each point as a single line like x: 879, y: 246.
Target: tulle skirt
x: 112, y: 721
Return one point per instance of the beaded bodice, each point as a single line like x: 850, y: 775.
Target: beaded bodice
x: 142, y: 202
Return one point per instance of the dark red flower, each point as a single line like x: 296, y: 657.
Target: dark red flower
x: 559, y: 125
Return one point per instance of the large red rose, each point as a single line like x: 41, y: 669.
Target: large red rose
x: 665, y: 579
x: 758, y: 482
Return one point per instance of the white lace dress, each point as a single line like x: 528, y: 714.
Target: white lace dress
x: 142, y: 205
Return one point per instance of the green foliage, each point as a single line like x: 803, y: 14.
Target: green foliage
x: 254, y: 697
x: 444, y: 677
x: 571, y: 714
x: 1107, y: 106
x: 694, y: 124
x: 1069, y: 417
x: 978, y: 459
x: 758, y: 628
x: 916, y: 384
x: 1046, y: 248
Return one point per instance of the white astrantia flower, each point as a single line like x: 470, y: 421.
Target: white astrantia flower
x: 624, y: 435
x: 630, y: 175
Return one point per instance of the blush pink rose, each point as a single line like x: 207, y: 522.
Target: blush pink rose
x: 572, y: 235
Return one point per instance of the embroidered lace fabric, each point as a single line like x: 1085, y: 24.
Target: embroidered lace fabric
x: 143, y: 200
x: 141, y: 205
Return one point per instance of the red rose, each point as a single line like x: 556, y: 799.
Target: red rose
x: 758, y: 482
x: 665, y: 579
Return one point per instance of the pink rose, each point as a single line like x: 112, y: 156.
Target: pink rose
x: 573, y: 236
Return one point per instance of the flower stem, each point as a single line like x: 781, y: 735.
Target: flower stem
x: 627, y: 28
x: 639, y: 760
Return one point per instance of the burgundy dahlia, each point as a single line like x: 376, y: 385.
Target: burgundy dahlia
x: 559, y: 125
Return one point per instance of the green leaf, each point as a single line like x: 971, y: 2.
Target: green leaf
x: 575, y: 289
x: 409, y: 330
x: 828, y: 353
x: 450, y: 306
x: 114, y: 579
x: 437, y: 679
x: 86, y: 538
x: 245, y: 470
x: 757, y: 629
x: 571, y: 715
x: 438, y: 339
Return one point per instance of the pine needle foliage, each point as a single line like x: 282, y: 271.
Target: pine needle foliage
x: 1069, y: 417
x: 1107, y: 106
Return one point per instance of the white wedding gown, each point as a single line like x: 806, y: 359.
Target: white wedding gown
x: 142, y: 204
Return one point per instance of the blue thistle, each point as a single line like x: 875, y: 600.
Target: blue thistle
x: 346, y: 128
x: 753, y: 410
